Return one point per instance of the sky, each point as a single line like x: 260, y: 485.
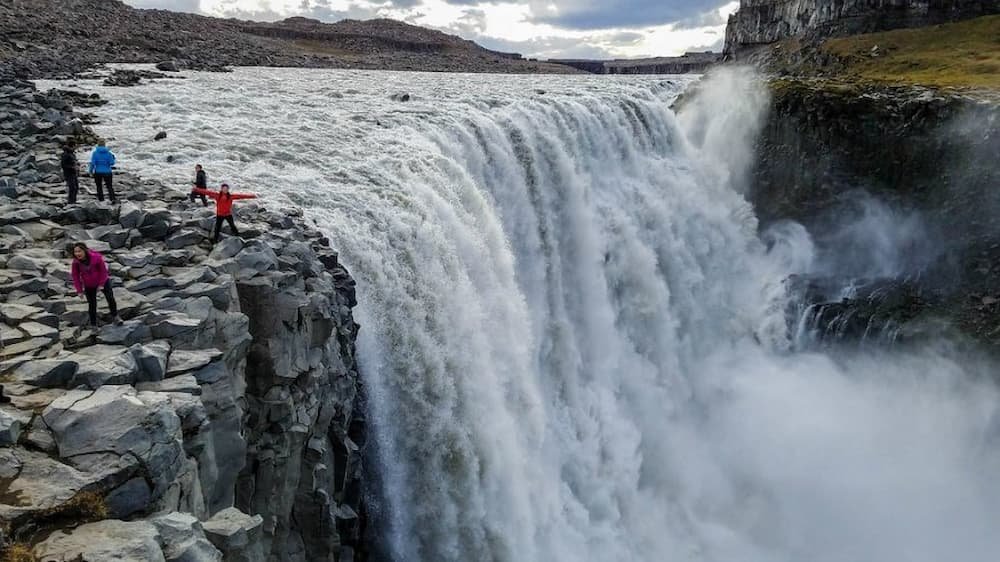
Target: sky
x: 534, y: 28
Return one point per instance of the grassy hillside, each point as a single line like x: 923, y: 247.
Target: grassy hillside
x: 963, y: 55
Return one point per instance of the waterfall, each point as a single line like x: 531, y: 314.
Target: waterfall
x: 575, y: 342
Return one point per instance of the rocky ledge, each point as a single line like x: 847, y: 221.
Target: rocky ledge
x: 222, y: 420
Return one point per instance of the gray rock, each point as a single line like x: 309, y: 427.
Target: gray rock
x: 37, y: 330
x: 152, y: 283
x: 114, y: 419
x: 172, y: 325
x: 183, y: 239
x: 184, y: 539
x: 132, y: 497
x: 151, y: 360
x: 220, y: 292
x: 105, y: 541
x: 127, y: 333
x: 14, y: 313
x: 40, y: 437
x: 160, y: 135
x: 157, y: 224
x: 168, y: 66
x: 130, y: 216
x: 54, y: 373
x: 10, y: 429
x: 26, y: 347
x: 257, y: 257
x: 174, y: 258
x: 184, y: 361
x: 226, y: 249
x: 185, y: 384
x: 104, y: 364
x: 38, y: 481
x: 236, y: 534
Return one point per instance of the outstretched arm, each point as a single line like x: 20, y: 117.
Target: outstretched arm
x: 205, y: 192
x: 244, y: 196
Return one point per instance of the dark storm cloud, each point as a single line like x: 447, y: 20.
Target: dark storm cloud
x: 598, y: 14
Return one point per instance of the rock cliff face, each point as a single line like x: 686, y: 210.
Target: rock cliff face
x: 830, y: 151
x: 223, y: 419
x: 759, y: 22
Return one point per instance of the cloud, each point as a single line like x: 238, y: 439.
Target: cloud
x: 600, y: 14
x: 535, y: 28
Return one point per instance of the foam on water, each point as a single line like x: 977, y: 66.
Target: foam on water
x: 573, y: 339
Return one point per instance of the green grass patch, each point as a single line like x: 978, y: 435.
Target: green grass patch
x: 955, y: 55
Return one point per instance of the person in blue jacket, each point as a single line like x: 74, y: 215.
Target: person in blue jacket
x: 102, y: 160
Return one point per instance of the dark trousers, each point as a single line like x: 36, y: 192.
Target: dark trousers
x: 72, y: 185
x: 204, y: 200
x: 218, y: 226
x: 105, y: 179
x: 92, y: 300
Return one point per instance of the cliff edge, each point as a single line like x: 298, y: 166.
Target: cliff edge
x: 222, y: 420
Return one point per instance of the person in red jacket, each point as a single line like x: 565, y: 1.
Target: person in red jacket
x: 223, y: 207
x: 90, y: 273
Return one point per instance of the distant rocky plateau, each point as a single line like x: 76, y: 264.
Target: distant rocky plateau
x: 60, y: 38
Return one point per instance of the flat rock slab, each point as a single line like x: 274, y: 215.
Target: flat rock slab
x: 15, y: 313
x: 37, y: 330
x: 46, y: 373
x: 27, y: 347
x: 105, y: 541
x: 183, y: 361
x: 39, y: 483
x: 104, y: 364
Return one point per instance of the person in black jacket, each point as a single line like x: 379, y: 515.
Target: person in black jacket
x: 71, y: 171
x: 200, y: 182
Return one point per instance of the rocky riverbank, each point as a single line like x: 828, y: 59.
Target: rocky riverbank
x: 223, y: 419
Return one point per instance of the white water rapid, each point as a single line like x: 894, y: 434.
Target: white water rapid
x: 573, y: 339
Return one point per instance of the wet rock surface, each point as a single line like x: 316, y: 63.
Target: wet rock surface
x: 221, y: 420
x: 919, y: 152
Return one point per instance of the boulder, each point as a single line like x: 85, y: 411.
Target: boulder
x: 168, y: 66
x: 104, y: 364
x: 184, y: 361
x: 236, y: 534
x: 151, y: 359
x: 127, y: 333
x: 130, y: 215
x: 46, y: 373
x: 226, y: 249
x: 184, y: 239
x: 14, y: 313
x: 105, y: 541
x: 116, y: 420
x: 10, y: 429
x: 160, y: 135
x: 184, y: 539
x: 128, y: 499
x: 39, y: 482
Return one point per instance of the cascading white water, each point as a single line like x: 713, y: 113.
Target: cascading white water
x: 573, y: 340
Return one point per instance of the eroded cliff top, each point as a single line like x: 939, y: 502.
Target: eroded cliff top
x: 179, y: 434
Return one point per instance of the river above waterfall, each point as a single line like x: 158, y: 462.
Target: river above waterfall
x: 574, y: 342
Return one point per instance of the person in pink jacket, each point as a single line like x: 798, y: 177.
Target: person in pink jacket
x: 90, y: 273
